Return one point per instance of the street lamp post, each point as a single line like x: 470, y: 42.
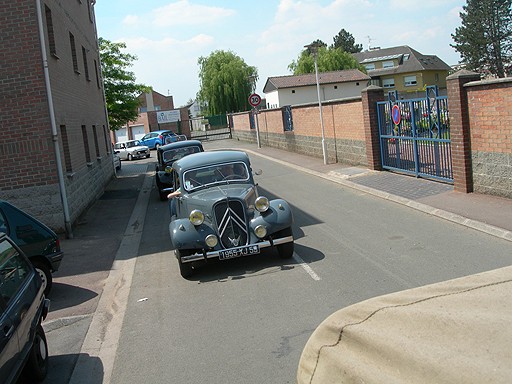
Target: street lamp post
x: 314, y: 49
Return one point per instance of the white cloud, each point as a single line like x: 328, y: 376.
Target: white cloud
x: 184, y: 13
x: 131, y: 20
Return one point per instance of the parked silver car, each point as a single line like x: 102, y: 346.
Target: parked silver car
x: 131, y: 149
x: 219, y: 213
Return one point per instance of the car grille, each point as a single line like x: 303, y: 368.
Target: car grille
x: 231, y: 222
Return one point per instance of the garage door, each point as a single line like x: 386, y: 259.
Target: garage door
x: 121, y: 135
x: 137, y: 132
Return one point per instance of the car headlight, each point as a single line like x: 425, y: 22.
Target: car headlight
x: 211, y: 241
x: 261, y: 204
x: 260, y: 231
x: 196, y: 217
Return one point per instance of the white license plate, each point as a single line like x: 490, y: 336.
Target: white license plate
x: 240, y: 251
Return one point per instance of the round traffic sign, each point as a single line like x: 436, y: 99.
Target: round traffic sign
x: 254, y: 99
x: 395, y: 114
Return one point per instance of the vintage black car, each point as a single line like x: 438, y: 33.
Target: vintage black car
x: 220, y: 215
x: 168, y: 154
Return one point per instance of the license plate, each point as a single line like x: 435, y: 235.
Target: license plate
x: 237, y: 252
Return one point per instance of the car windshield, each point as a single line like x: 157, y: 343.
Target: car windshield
x: 215, y: 175
x: 131, y: 144
x: 176, y: 154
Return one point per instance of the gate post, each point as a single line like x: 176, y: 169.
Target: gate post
x: 459, y: 129
x: 370, y: 96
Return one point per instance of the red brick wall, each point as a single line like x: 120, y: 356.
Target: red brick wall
x: 26, y: 151
x: 490, y: 116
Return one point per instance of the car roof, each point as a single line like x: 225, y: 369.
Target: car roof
x: 202, y: 159
x: 162, y: 131
x: 180, y: 144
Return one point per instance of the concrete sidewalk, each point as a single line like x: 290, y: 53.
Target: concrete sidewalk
x: 489, y: 214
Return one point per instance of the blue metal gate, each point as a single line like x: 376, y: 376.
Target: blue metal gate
x: 415, y: 135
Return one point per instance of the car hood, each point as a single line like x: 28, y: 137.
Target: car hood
x: 205, y: 198
x: 138, y: 148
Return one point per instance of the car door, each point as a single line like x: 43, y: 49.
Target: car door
x: 17, y: 294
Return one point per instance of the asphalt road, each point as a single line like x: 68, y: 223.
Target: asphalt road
x: 247, y: 320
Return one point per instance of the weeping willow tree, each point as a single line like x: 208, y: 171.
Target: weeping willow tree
x: 226, y: 82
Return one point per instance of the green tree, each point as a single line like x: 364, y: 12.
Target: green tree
x: 328, y: 59
x: 346, y: 42
x: 121, y: 90
x: 484, y: 40
x: 226, y: 82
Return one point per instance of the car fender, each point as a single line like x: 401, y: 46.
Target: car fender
x: 163, y: 177
x: 278, y: 216
x: 185, y: 235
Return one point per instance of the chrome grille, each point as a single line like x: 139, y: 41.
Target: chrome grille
x: 231, y: 222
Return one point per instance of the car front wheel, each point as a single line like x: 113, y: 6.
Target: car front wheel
x: 285, y: 250
x: 186, y: 269
x: 46, y: 275
x: 37, y: 363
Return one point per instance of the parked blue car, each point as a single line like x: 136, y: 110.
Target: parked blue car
x: 23, y: 346
x: 39, y: 243
x: 155, y: 139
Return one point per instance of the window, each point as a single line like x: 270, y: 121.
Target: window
x: 293, y: 90
x: 49, y: 30
x: 388, y: 64
x: 14, y: 270
x: 96, y: 145
x: 406, y: 57
x: 369, y: 67
x: 410, y: 80
x: 97, y: 74
x: 65, y: 147
x: 388, y: 83
x: 105, y: 136
x: 73, y: 52
x: 86, y: 67
x: 335, y: 87
x: 86, y: 144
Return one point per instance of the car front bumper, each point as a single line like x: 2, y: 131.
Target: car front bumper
x: 215, y: 254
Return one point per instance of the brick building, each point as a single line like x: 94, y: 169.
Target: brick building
x: 55, y: 150
x: 149, y: 105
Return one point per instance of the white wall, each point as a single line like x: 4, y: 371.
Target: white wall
x: 308, y: 94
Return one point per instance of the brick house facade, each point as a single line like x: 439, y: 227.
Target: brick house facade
x: 55, y: 149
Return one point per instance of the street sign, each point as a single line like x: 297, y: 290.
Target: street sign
x: 254, y: 99
x: 395, y: 114
x: 168, y: 116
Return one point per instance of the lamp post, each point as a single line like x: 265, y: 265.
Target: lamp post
x: 314, y: 49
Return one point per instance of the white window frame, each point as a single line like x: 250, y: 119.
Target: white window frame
x: 388, y: 64
x: 410, y: 81
x: 388, y: 83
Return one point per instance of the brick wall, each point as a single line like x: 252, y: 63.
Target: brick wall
x: 490, y: 121
x: 343, y: 130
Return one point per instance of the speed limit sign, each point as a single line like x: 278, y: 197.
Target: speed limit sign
x: 254, y: 99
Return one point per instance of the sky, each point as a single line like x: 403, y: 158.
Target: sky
x: 168, y: 37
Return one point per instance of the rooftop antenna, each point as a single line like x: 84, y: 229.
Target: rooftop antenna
x: 369, y: 42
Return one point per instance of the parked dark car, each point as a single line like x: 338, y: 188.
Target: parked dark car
x: 166, y: 156
x: 23, y: 346
x: 220, y: 214
x: 37, y: 241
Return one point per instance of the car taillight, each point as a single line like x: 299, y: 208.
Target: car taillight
x: 57, y: 245
x: 160, y: 137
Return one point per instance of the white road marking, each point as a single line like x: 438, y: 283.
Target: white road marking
x: 306, y: 267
